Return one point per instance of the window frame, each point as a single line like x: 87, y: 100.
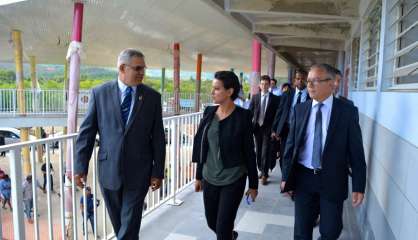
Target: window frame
x: 401, y: 71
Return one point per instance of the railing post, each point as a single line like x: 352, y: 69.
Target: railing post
x: 17, y: 194
x: 174, y: 161
x: 14, y: 109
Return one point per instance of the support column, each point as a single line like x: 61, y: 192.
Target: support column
x: 340, y: 66
x: 198, y: 82
x: 24, y: 132
x: 65, y: 85
x: 162, y: 80
x: 35, y: 102
x: 176, y: 77
x: 73, y: 55
x: 271, y: 64
x: 290, y: 74
x: 256, y: 67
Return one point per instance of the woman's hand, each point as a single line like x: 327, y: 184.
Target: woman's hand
x: 252, y: 193
x: 198, y: 186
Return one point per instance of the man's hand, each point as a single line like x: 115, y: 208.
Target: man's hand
x: 198, y: 186
x: 282, y: 186
x: 357, y: 198
x: 252, y: 193
x: 155, y: 183
x: 80, y: 180
x: 275, y: 136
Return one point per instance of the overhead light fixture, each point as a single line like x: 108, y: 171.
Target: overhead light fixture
x: 7, y: 2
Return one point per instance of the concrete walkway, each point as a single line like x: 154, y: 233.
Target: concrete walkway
x: 270, y: 217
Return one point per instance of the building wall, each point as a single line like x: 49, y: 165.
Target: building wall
x: 388, y: 118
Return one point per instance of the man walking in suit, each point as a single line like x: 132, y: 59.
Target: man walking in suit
x: 324, y: 139
x: 128, y: 117
x: 287, y: 102
x: 338, y: 77
x: 263, y: 106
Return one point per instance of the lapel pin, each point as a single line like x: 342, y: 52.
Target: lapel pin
x: 140, y: 98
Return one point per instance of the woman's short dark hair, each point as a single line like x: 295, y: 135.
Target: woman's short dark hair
x: 286, y: 85
x: 229, y: 80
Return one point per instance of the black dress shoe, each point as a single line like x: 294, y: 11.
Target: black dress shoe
x: 234, y: 235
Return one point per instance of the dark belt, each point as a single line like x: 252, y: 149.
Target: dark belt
x: 309, y: 170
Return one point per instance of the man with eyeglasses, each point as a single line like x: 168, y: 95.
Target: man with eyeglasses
x: 288, y: 100
x: 128, y: 117
x: 324, y: 138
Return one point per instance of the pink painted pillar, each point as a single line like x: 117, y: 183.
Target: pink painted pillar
x: 73, y: 56
x: 256, y: 67
x: 176, y: 77
x: 198, y: 82
x: 271, y: 64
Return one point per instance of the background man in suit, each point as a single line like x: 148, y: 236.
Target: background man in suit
x: 263, y: 106
x: 128, y: 117
x: 288, y: 100
x: 273, y: 87
x: 324, y: 139
x: 338, y: 77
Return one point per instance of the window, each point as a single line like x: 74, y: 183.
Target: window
x: 371, y: 43
x: 355, y: 47
x: 406, y: 67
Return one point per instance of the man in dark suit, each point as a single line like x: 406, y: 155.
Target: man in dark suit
x: 128, y: 117
x: 338, y: 77
x: 287, y: 102
x: 324, y: 139
x: 263, y: 106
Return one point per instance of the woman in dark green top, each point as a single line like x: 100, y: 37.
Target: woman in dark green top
x: 224, y: 152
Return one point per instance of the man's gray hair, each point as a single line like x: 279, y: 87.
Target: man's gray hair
x: 330, y: 70
x: 126, y: 55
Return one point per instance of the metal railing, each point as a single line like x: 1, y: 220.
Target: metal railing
x: 44, y: 102
x: 179, y: 173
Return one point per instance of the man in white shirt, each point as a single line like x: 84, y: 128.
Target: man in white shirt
x: 324, y: 141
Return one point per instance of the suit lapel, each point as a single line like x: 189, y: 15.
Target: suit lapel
x: 307, y: 112
x: 139, y: 99
x: 115, y: 93
x: 335, y: 115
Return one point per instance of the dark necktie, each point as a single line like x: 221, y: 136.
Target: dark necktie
x: 317, y: 143
x: 262, y: 111
x: 125, y: 107
x: 298, y: 100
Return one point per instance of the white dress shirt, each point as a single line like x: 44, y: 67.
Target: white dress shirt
x: 275, y: 91
x: 305, y: 157
x: 303, y: 97
x: 122, y: 87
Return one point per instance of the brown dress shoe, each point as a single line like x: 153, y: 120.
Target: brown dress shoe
x: 264, y: 180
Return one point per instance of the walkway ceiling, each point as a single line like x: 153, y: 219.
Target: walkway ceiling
x: 150, y: 25
x: 302, y: 31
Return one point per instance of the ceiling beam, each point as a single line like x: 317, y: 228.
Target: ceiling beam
x: 296, y: 31
x: 299, y: 22
x: 319, y: 44
x: 322, y: 9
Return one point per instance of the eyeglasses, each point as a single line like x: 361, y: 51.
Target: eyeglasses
x: 317, y: 81
x: 137, y: 68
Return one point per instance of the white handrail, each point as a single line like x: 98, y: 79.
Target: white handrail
x: 179, y: 174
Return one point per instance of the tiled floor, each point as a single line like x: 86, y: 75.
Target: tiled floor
x: 270, y: 217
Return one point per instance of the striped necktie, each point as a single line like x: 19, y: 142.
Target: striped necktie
x: 125, y: 107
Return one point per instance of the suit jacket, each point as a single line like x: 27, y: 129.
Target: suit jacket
x: 236, y: 145
x: 283, y: 111
x: 343, y: 148
x: 346, y: 100
x: 255, y: 107
x: 128, y: 155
